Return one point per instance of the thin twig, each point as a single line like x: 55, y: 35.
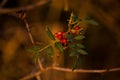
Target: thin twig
x: 29, y: 33
x: 70, y: 70
x: 40, y: 64
x: 38, y: 77
x: 3, y: 3
x: 85, y: 70
x: 66, y: 5
x: 30, y: 76
x: 32, y: 41
x: 29, y: 7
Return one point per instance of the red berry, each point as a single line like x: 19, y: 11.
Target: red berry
x: 62, y: 33
x: 59, y: 37
x: 59, y: 33
x: 77, y: 28
x: 56, y: 35
x: 64, y: 41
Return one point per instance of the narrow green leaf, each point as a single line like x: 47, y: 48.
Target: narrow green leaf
x: 31, y: 50
x: 79, y: 37
x: 59, y: 46
x: 74, y: 17
x: 81, y: 51
x: 74, y: 53
x: 36, y: 55
x: 50, y: 51
x: 73, y: 46
x: 76, y: 63
x: 50, y: 34
x: 34, y: 49
x: 91, y: 21
x: 80, y: 45
x: 82, y: 31
x: 70, y: 37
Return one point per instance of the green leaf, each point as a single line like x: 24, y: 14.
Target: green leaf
x: 50, y: 34
x: 70, y: 37
x: 81, y: 51
x: 74, y: 18
x: 59, y: 46
x: 73, y: 46
x: 91, y: 21
x: 73, y: 53
x: 82, y: 31
x: 36, y: 55
x: 80, y: 45
x: 50, y: 51
x: 76, y: 63
x: 34, y: 49
x: 79, y: 37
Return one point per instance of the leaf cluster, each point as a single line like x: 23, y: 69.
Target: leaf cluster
x: 74, y: 41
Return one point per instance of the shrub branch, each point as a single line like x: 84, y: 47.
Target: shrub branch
x: 32, y: 40
x: 29, y: 7
x: 69, y: 70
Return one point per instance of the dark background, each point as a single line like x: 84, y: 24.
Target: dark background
x: 102, y: 42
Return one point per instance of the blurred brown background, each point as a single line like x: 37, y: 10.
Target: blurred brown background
x: 102, y: 41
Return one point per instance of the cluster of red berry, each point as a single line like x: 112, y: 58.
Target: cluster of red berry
x: 61, y: 37
x: 76, y: 30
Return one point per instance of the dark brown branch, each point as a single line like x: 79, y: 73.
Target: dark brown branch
x: 70, y: 70
x: 3, y: 3
x: 29, y: 7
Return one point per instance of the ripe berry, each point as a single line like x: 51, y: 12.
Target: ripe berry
x: 76, y: 28
x: 56, y: 35
x: 62, y: 33
x: 60, y: 37
x: 59, y: 33
x: 64, y: 41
